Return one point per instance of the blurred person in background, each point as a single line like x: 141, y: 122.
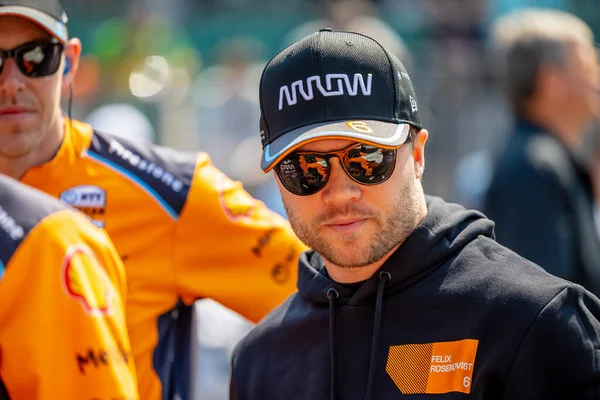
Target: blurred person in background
x: 356, y: 16
x: 184, y: 230
x: 62, y: 326
x: 594, y: 164
x: 227, y: 118
x: 540, y: 195
x: 455, y: 85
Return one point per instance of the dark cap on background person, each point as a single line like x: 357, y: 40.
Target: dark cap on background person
x: 334, y: 84
x: 48, y: 14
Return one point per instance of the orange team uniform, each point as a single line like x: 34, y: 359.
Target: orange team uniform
x: 63, y: 332
x: 184, y: 230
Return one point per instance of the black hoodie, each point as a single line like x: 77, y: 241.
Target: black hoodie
x: 451, y: 314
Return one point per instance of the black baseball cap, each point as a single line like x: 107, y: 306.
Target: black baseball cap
x: 48, y: 14
x: 334, y: 84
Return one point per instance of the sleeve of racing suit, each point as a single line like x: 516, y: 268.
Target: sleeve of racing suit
x: 559, y: 357
x: 68, y: 327
x: 231, y: 248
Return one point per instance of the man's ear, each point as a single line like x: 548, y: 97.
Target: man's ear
x: 72, y: 55
x: 419, y: 152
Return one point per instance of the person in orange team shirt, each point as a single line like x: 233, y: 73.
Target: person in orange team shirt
x: 184, y: 230
x: 62, y: 288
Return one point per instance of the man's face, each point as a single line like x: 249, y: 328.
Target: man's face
x: 27, y: 105
x: 353, y: 225
x: 582, y: 82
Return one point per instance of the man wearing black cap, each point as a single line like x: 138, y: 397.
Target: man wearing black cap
x: 172, y: 216
x: 403, y: 294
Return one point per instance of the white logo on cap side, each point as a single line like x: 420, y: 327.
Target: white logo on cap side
x: 413, y: 104
x: 402, y: 75
x: 342, y: 80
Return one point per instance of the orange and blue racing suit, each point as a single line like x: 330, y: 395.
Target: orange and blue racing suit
x: 184, y: 230
x: 63, y: 331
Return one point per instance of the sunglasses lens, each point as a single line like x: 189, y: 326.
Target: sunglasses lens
x: 306, y: 173
x: 303, y: 174
x: 40, y: 59
x: 370, y: 165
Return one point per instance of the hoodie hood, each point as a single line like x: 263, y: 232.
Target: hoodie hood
x: 444, y: 231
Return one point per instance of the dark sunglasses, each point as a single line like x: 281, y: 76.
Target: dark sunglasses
x: 306, y: 173
x: 35, y: 59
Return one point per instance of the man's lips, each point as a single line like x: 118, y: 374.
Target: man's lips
x: 13, y: 110
x: 15, y: 113
x: 346, y: 225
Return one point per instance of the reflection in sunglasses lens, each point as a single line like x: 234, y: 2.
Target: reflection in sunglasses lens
x: 306, y: 173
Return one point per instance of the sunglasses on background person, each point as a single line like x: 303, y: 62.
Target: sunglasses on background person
x: 35, y: 59
x: 306, y: 173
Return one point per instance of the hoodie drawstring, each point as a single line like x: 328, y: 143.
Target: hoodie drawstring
x: 384, y: 277
x: 333, y: 295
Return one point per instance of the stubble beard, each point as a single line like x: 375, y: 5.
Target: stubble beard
x: 356, y: 251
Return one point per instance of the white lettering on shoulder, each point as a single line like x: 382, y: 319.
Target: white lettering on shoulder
x: 8, y: 224
x: 149, y: 168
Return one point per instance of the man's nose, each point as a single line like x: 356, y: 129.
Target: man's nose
x: 340, y: 189
x: 11, y: 78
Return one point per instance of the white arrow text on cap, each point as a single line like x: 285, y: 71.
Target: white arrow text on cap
x: 344, y: 87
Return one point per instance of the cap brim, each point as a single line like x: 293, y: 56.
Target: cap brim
x: 54, y: 27
x: 378, y: 133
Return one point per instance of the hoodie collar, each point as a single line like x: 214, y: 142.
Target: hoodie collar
x: 445, y: 230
